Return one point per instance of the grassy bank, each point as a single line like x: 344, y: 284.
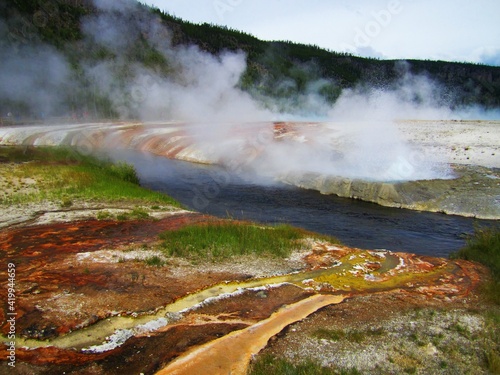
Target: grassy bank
x: 220, y: 241
x: 61, y: 174
x: 484, y: 247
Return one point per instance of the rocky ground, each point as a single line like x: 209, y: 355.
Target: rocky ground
x: 391, y: 333
x: 80, y: 284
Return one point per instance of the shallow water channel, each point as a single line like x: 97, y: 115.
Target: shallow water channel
x: 214, y: 190
x: 349, y: 273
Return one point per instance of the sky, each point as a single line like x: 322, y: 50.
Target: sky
x: 450, y: 30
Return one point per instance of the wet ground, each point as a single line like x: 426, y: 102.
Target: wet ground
x: 100, y: 297
x: 84, y: 303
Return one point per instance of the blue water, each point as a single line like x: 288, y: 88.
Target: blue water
x: 212, y: 190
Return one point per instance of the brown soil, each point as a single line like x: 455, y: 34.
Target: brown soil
x: 62, y: 285
x: 58, y: 293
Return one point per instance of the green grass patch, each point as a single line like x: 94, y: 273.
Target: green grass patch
x: 349, y: 335
x: 219, y: 241
x: 492, y: 361
x: 66, y: 202
x: 20, y: 154
x: 329, y: 334
x: 484, y: 247
x: 63, y: 175
x: 457, y: 327
x: 155, y: 261
x: 492, y: 344
x: 104, y: 215
x: 136, y: 213
x: 268, y: 364
x: 124, y: 172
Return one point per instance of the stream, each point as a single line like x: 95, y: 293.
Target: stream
x: 213, y: 190
x: 350, y: 273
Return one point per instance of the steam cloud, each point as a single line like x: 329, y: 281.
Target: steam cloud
x: 34, y: 75
x: 359, y: 138
x: 200, y: 86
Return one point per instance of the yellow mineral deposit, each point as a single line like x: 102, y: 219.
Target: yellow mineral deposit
x: 351, y: 270
x: 231, y: 354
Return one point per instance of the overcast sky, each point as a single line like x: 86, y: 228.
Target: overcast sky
x: 453, y: 30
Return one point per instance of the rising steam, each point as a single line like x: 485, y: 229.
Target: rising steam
x: 358, y: 139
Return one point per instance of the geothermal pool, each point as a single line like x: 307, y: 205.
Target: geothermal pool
x: 277, y: 151
x: 212, y: 190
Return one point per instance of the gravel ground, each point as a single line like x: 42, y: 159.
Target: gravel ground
x: 402, y: 337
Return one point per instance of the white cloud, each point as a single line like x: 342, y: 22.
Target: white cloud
x: 487, y: 55
x: 369, y: 52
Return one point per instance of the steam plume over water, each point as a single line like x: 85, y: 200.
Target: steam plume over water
x: 357, y: 137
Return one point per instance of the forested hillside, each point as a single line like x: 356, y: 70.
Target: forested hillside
x: 80, y: 56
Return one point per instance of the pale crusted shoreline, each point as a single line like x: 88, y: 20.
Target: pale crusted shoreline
x: 456, y: 142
